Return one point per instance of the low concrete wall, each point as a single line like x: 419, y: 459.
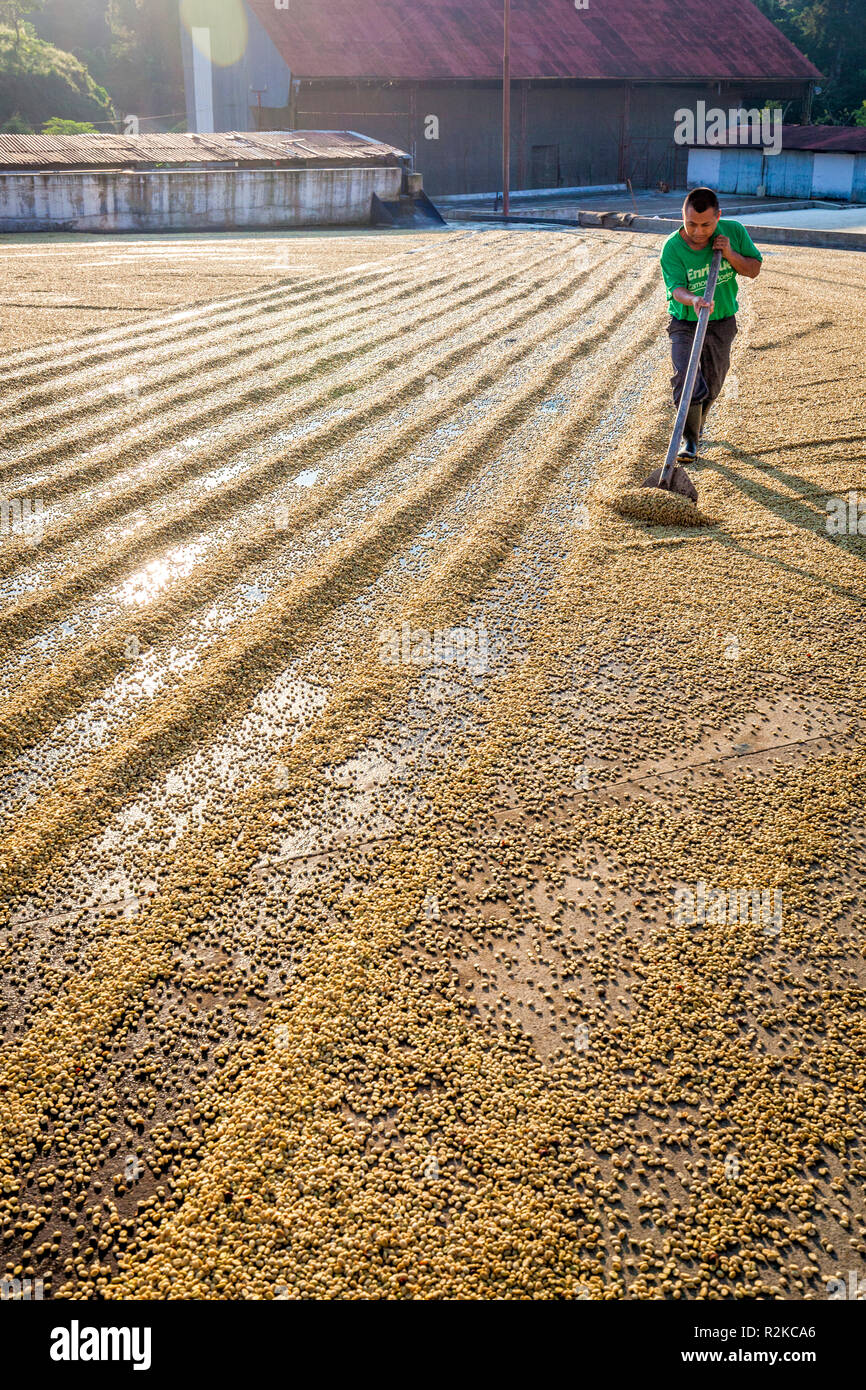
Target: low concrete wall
x: 192, y: 200
x: 664, y: 226
x: 531, y: 195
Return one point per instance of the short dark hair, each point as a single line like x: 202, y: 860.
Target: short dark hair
x: 702, y: 199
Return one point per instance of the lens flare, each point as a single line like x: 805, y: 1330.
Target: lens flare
x: 224, y: 21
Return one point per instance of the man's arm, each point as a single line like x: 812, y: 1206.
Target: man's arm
x: 743, y: 265
x: 684, y: 296
x: 672, y: 270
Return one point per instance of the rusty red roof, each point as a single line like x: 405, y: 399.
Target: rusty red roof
x: 618, y: 39
x: 819, y: 139
x: 297, y: 147
x: 823, y: 138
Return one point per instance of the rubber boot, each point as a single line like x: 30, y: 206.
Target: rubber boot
x: 688, y: 450
x: 706, y: 407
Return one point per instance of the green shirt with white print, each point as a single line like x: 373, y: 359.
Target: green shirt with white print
x: 684, y: 268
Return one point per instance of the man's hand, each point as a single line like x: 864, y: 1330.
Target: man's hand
x: 743, y: 265
x: 684, y: 296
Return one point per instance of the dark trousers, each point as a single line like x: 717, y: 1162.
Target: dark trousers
x: 715, y: 357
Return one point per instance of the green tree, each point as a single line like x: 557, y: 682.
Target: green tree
x: 132, y: 47
x: 146, y: 71
x: 832, y: 33
x: 15, y: 12
x: 38, y: 81
x: 16, y: 125
x: 80, y: 27
x: 58, y: 126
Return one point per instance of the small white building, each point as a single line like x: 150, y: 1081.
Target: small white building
x: 819, y: 161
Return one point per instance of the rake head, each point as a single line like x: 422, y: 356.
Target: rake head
x: 679, y: 482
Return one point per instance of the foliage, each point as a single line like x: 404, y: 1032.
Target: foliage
x: 132, y: 47
x: 38, y: 81
x: 14, y: 12
x: 58, y: 126
x: 16, y: 125
x: 832, y: 34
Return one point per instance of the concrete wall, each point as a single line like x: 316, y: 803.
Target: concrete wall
x: 790, y: 174
x: 833, y: 175
x: 186, y: 200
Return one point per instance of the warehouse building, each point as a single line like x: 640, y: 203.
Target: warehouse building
x: 146, y: 183
x: 594, y: 90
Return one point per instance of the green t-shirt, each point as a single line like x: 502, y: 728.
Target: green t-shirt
x: 686, y: 269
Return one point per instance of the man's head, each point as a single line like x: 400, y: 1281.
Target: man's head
x: 701, y: 215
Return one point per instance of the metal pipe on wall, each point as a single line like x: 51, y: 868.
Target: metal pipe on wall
x: 624, y: 166
x: 506, y: 112
x: 521, y: 153
x: 413, y: 125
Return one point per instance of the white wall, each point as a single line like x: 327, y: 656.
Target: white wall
x: 832, y: 175
x: 704, y: 167
x: 193, y: 200
x: 202, y: 80
x: 792, y: 173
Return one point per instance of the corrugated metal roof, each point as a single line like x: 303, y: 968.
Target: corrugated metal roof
x: 260, y: 147
x: 818, y: 138
x: 617, y: 39
x: 843, y: 138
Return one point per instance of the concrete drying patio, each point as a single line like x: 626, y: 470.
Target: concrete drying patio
x: 418, y: 880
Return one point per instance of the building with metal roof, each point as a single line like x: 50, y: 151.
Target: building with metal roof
x: 430, y: 40
x: 825, y: 139
x: 595, y: 90
x: 233, y: 149
x: 819, y: 161
x: 112, y: 183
